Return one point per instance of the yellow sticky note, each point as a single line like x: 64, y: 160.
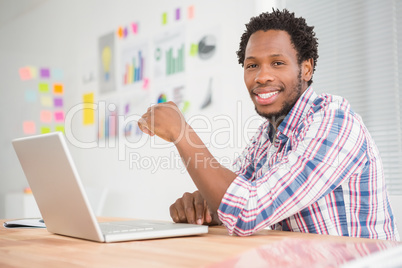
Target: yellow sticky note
x: 59, y: 128
x: 46, y: 101
x: 44, y: 129
x: 164, y: 18
x: 88, y: 117
x: 33, y: 71
x: 193, y: 50
x: 43, y: 87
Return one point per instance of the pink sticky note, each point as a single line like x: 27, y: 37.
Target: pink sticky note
x: 46, y: 116
x: 145, y: 84
x: 59, y: 116
x: 134, y: 27
x: 190, y: 12
x: 25, y: 73
x: 29, y: 127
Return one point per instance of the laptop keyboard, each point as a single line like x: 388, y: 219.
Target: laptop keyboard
x: 110, y: 228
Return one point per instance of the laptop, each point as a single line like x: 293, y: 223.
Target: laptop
x: 64, y: 206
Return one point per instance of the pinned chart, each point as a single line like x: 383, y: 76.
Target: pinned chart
x: 134, y: 59
x: 175, y: 62
x: 162, y: 98
x: 108, y: 122
x: 169, y: 54
x: 134, y: 70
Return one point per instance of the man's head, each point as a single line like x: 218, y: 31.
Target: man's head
x: 279, y: 54
x: 302, y: 36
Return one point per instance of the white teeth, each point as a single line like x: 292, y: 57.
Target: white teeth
x: 267, y: 95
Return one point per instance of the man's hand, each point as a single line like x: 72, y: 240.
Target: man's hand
x: 212, y: 179
x: 164, y: 120
x: 192, y: 208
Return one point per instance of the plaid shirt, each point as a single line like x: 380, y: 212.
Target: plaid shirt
x: 319, y: 173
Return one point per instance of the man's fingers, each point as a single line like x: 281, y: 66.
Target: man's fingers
x: 180, y: 210
x: 207, y: 213
x: 199, y: 206
x: 188, y: 203
x: 191, y: 208
x: 143, y: 125
x: 174, y: 214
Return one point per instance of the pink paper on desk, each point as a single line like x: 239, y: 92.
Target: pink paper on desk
x: 305, y: 253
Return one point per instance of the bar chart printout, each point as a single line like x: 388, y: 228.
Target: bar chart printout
x: 169, y: 54
x: 134, y: 60
x: 175, y: 61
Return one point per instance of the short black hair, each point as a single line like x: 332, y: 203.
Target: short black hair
x: 302, y: 36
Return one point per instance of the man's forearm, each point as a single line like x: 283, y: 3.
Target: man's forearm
x: 210, y: 177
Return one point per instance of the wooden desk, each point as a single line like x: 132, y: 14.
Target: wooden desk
x: 39, y: 248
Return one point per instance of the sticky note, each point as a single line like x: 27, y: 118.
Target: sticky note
x: 125, y: 31
x: 145, y: 85
x: 177, y: 13
x: 30, y: 95
x: 164, y: 18
x: 33, y: 71
x: 190, y: 12
x: 58, y: 102
x: 29, y: 127
x: 88, y: 99
x: 59, y: 128
x: 44, y: 129
x: 44, y: 73
x: 193, y: 50
x: 57, y: 74
x: 134, y: 27
x: 120, y: 32
x: 46, y: 101
x: 59, y: 116
x: 88, y: 117
x: 25, y: 73
x: 185, y: 106
x: 45, y: 116
x: 58, y: 88
x: 43, y: 87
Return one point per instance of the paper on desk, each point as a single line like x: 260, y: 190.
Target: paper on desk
x: 25, y: 223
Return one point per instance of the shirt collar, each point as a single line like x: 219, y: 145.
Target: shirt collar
x: 298, y: 111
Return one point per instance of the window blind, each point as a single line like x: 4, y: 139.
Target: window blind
x: 360, y: 43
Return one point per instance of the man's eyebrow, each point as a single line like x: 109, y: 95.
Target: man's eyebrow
x: 271, y: 56
x: 250, y: 58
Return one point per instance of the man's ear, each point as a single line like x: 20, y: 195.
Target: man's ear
x: 307, y: 70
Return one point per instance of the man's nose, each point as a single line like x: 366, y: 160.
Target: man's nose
x: 264, y: 75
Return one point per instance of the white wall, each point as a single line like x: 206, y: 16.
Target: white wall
x: 64, y: 34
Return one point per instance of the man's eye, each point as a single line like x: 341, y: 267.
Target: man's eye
x: 278, y: 63
x: 251, y: 66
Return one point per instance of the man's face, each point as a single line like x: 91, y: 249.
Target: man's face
x: 272, y: 74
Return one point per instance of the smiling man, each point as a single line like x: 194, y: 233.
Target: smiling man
x: 311, y: 167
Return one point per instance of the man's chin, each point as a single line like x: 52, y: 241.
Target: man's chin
x: 271, y: 115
